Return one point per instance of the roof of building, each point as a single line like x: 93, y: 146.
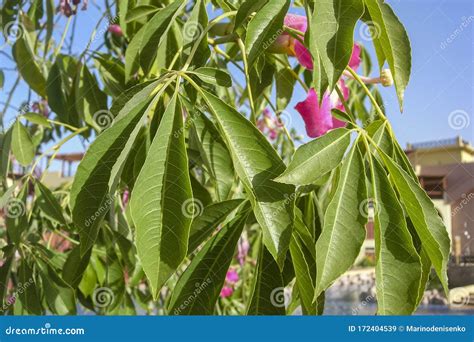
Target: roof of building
x: 443, y: 143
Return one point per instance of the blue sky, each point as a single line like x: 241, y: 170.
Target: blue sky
x: 439, y: 100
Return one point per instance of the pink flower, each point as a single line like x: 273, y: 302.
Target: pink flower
x: 232, y: 276
x: 125, y: 198
x: 269, y: 125
x: 293, y: 47
x: 317, y: 117
x: 243, y: 250
x: 116, y: 30
x: 226, y: 292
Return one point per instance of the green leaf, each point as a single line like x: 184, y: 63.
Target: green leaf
x: 192, y: 30
x: 28, y: 68
x: 246, y: 9
x: 75, y: 266
x: 214, y: 154
x: 5, y: 144
x: 379, y: 131
x: 37, y: 119
x: 8, y: 254
x: 154, y: 33
x: 398, y: 268
x: 257, y: 163
x: 268, y: 296
x: 391, y: 38
x: 344, y: 225
x: 213, y: 76
x: 56, y: 90
x: 285, y: 84
x: 132, y: 55
x: 29, y: 296
x: 303, y: 254
x: 206, y: 223
x: 16, y: 215
x: 140, y: 12
x: 91, y: 101
x: 2, y: 79
x: 112, y: 73
x: 49, y: 24
x: 59, y: 295
x: 159, y: 198
x: 199, y: 286
x: 48, y: 204
x: 265, y: 27
x: 333, y: 24
x: 316, y: 158
x: 95, y: 180
x: 425, y: 218
x: 22, y: 146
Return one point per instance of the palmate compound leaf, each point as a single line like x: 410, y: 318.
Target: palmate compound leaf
x: 159, y: 201
x: 398, y: 268
x: 391, y: 42
x: 424, y: 217
x: 257, y: 163
x: 344, y: 224
x: 95, y: 181
x: 316, y: 158
x: 199, y: 286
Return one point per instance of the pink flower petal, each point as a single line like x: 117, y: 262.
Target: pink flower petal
x: 232, y: 276
x: 297, y: 22
x: 318, y: 120
x: 354, y: 62
x: 226, y: 292
x: 303, y: 55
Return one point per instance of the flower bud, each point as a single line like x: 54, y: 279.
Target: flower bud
x: 116, y: 30
x: 386, y: 78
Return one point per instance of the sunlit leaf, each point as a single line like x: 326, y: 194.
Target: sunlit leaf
x: 344, y: 224
x: 21, y: 144
x: 316, y: 158
x: 425, y: 218
x: 391, y: 38
x: 398, y: 268
x: 257, y: 163
x: 264, y: 27
x: 159, y: 198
